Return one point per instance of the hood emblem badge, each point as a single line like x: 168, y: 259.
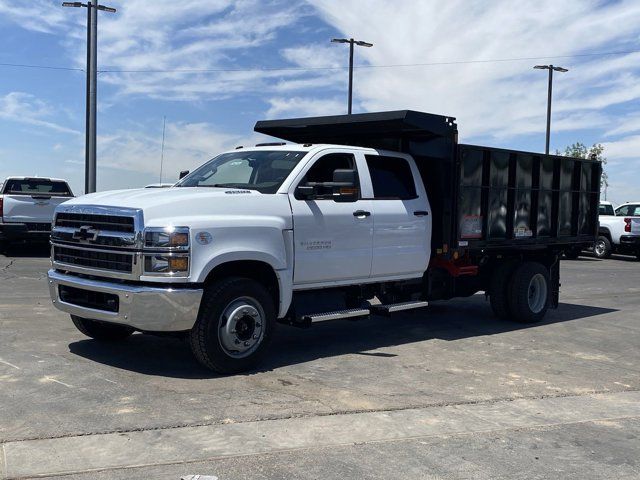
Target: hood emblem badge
x: 86, y: 234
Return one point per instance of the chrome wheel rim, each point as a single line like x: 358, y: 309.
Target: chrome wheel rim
x: 600, y: 248
x: 537, y: 294
x: 242, y: 326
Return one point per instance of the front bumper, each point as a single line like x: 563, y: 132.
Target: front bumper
x: 153, y: 309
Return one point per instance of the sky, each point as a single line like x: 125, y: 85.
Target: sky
x: 212, y: 68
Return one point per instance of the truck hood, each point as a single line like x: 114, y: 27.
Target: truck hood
x: 162, y: 206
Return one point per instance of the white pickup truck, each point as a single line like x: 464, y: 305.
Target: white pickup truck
x: 322, y: 230
x: 619, y: 230
x: 27, y: 205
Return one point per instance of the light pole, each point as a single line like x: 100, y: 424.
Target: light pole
x: 351, y: 43
x: 92, y: 83
x: 551, y: 68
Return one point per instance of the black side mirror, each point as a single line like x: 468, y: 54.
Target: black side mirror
x: 183, y: 174
x: 344, y: 178
x: 345, y: 185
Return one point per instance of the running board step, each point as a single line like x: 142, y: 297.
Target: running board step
x: 338, y: 314
x: 398, y: 307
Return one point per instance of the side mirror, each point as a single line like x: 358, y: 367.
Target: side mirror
x: 183, y: 174
x: 345, y: 185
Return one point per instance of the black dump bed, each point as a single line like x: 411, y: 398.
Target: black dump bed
x: 481, y: 197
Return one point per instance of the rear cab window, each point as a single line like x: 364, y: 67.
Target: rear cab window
x: 391, y: 178
x: 605, y: 210
x: 37, y: 186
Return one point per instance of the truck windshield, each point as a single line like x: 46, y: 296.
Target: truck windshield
x: 37, y: 186
x: 262, y: 170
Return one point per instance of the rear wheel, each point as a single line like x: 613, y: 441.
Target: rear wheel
x: 529, y: 293
x: 105, y: 332
x: 234, y: 327
x: 602, y: 247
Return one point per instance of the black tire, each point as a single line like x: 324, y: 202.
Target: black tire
x: 101, y: 331
x: 499, y: 289
x: 528, y: 281
x: 206, y: 336
x: 602, y: 247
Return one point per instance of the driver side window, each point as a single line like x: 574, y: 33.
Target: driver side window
x: 322, y: 171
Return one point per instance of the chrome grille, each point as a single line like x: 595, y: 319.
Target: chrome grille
x: 94, y: 259
x: 111, y: 223
x: 97, y: 240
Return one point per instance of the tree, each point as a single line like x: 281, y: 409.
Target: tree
x: 580, y: 150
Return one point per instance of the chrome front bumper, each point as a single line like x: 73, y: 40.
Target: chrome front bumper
x: 144, y: 308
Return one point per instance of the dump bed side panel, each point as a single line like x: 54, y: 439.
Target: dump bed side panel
x: 508, y: 198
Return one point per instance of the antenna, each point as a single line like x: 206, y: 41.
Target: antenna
x: 164, y: 121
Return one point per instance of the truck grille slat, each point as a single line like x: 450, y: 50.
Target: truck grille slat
x: 110, y: 223
x: 120, y: 262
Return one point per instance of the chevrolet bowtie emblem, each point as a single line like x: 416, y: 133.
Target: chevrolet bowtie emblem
x: 86, y: 233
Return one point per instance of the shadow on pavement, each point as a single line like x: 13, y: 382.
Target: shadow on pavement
x: 453, y: 320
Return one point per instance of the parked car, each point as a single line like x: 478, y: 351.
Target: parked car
x: 27, y: 205
x: 619, y: 230
x: 380, y: 205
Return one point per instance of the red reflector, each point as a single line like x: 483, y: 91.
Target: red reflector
x: 627, y: 224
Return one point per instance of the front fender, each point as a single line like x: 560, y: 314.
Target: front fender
x: 275, y: 250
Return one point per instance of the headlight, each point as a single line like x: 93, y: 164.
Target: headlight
x: 167, y: 251
x: 171, y: 265
x: 167, y: 238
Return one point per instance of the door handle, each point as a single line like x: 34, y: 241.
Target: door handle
x: 421, y: 213
x: 361, y: 213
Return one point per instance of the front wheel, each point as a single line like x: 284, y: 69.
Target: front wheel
x: 602, y: 247
x: 104, y: 332
x: 234, y: 327
x: 529, y: 293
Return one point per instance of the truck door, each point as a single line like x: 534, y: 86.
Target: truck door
x: 402, y: 226
x: 333, y: 239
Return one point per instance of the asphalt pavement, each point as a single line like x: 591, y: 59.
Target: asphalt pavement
x: 447, y: 392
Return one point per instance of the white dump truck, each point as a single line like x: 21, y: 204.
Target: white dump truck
x: 365, y: 214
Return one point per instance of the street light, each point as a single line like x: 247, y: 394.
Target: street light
x: 551, y: 68
x: 351, y: 43
x: 92, y: 83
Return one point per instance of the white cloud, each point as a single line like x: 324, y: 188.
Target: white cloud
x: 25, y: 108
x: 492, y: 99
x: 39, y: 15
x: 187, y: 145
x: 298, y: 106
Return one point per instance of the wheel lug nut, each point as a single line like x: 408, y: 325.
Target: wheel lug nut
x: 246, y: 344
x: 255, y: 337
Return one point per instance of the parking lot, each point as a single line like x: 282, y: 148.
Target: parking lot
x: 445, y: 392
